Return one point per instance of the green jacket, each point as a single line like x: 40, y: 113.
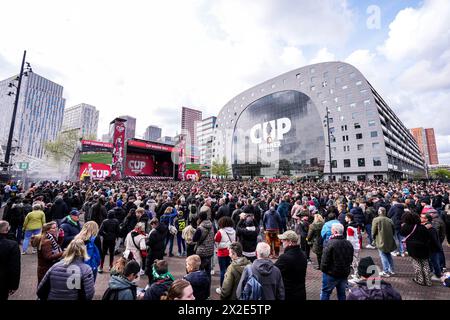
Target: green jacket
x: 383, y: 233
x: 232, y: 278
x: 34, y: 220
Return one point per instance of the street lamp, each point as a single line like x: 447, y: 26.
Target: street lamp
x: 327, y: 125
x: 22, y: 73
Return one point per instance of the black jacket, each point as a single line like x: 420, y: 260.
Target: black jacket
x: 199, y: 281
x: 9, y: 266
x: 155, y: 244
x: 70, y: 231
x: 248, y: 236
x: 157, y: 289
x: 119, y: 213
x: 224, y: 210
x: 59, y: 210
x: 418, y: 243
x: 292, y: 264
x: 98, y: 213
x: 395, y: 214
x: 109, y: 229
x: 337, y: 257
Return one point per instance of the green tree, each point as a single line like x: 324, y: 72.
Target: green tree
x: 441, y: 173
x: 221, y: 169
x: 63, y: 148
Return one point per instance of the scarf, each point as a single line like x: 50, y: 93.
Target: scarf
x: 157, y: 276
x: 55, y: 246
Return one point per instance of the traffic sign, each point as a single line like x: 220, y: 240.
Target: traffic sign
x: 23, y: 165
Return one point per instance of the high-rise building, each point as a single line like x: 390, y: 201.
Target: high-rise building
x: 167, y: 140
x: 130, y: 127
x: 152, y: 133
x: 189, y: 119
x: 83, y: 117
x: 39, y: 115
x: 279, y: 128
x: 427, y: 144
x: 205, y: 136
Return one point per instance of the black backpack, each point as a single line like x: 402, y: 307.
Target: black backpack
x: 112, y: 294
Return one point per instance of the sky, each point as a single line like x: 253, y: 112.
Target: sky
x: 147, y: 59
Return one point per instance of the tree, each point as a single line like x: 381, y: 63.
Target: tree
x: 63, y: 148
x: 221, y: 169
x: 441, y: 173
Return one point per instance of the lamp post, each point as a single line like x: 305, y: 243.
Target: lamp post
x: 16, y: 102
x: 327, y: 117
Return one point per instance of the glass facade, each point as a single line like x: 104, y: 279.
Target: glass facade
x: 279, y: 134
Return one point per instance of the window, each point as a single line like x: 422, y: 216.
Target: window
x: 374, y: 134
x: 313, y: 79
x: 364, y: 91
x: 347, y: 163
x: 367, y: 102
x: 340, y: 69
x: 344, y: 138
x: 361, y: 162
x: 338, y: 80
x: 331, y: 91
x: 313, y: 88
x: 334, y: 163
x: 360, y: 147
x: 298, y: 75
x: 361, y: 178
x: 355, y: 115
x: 330, y: 120
x: 357, y: 125
x: 359, y: 136
x: 273, y: 85
x: 344, y: 87
x: 370, y: 113
x: 312, y: 70
x: 371, y: 123
x: 333, y: 149
x: 358, y: 83
x: 377, y: 162
x: 376, y: 145
x: 342, y: 118
x: 352, y: 75
x: 344, y: 128
x: 324, y: 84
x: 332, y: 130
x: 324, y: 102
x: 338, y: 108
x: 333, y: 139
x: 346, y: 148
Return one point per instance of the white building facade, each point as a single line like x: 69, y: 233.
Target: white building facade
x: 83, y: 117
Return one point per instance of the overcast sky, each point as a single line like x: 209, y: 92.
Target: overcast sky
x: 148, y: 58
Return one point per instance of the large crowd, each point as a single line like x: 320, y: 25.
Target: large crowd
x: 261, y: 233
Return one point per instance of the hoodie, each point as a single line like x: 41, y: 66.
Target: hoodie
x: 268, y: 275
x: 126, y: 289
x: 224, y: 237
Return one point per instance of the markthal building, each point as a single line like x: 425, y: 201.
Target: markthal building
x: 305, y: 121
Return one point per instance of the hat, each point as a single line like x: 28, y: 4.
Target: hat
x: 74, y: 212
x: 289, y: 235
x: 363, y: 266
x: 119, y: 203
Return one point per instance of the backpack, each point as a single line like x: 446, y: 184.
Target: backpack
x: 112, y: 294
x: 252, y: 289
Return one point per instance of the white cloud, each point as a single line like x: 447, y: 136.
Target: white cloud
x: 323, y: 55
x: 293, y: 57
x: 419, y: 33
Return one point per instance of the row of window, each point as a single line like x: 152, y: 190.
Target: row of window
x: 361, y: 162
x: 359, y: 147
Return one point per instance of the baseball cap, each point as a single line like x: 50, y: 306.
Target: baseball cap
x: 289, y: 235
x: 74, y: 212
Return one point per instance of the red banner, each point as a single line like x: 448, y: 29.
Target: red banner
x: 152, y: 146
x: 97, y: 143
x: 192, y: 175
x: 118, y: 144
x: 139, y: 164
x: 95, y: 171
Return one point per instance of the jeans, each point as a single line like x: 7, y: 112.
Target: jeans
x: 224, y: 262
x: 283, y: 225
x: 108, y: 246
x: 368, y: 228
x: 442, y: 259
x: 206, y: 265
x: 386, y: 261
x: 169, y: 241
x: 329, y: 283
x: 181, y: 243
x: 435, y: 264
x: 28, y: 234
x: 398, y: 239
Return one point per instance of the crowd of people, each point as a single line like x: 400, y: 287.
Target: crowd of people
x: 261, y: 234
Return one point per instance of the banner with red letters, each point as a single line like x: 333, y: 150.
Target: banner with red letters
x: 95, y: 171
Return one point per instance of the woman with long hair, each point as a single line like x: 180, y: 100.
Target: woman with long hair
x: 179, y: 290
x: 314, y: 238
x: 55, y: 284
x: 88, y: 235
x: 48, y: 245
x: 135, y: 243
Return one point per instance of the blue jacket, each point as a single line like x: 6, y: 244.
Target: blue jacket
x: 199, y: 281
x: 283, y: 209
x: 271, y: 220
x: 358, y: 216
x: 326, y: 229
x: 126, y: 289
x: 71, y: 229
x: 395, y: 214
x: 167, y: 219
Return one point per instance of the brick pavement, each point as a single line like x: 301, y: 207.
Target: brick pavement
x: 402, y: 281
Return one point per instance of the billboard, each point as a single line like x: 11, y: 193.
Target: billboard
x: 95, y: 171
x: 139, y: 164
x: 96, y: 152
x: 118, y: 149
x: 192, y: 175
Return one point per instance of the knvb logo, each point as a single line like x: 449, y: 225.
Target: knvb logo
x: 270, y: 132
x: 136, y: 165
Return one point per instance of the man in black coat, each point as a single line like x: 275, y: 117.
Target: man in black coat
x: 9, y: 263
x: 156, y: 245
x: 59, y: 210
x: 292, y: 264
x: 336, y: 261
x: 395, y: 213
x: 224, y: 210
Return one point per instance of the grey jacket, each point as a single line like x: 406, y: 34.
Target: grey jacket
x: 268, y: 275
x: 205, y: 245
x: 125, y: 286
x: 67, y: 282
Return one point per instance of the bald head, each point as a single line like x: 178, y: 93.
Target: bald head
x: 4, y: 227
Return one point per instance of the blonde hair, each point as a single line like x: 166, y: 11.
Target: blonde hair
x: 89, y: 230
x: 168, y: 210
x: 140, y: 226
x: 318, y: 218
x: 76, y: 249
x: 140, y: 210
x: 194, y: 262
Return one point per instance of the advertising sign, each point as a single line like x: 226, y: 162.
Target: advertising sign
x: 192, y: 175
x: 118, y: 149
x: 96, y: 146
x: 139, y: 164
x: 151, y: 146
x: 95, y: 171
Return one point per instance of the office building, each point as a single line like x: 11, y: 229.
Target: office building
x: 152, y: 133
x: 83, y: 117
x: 427, y: 144
x: 205, y: 136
